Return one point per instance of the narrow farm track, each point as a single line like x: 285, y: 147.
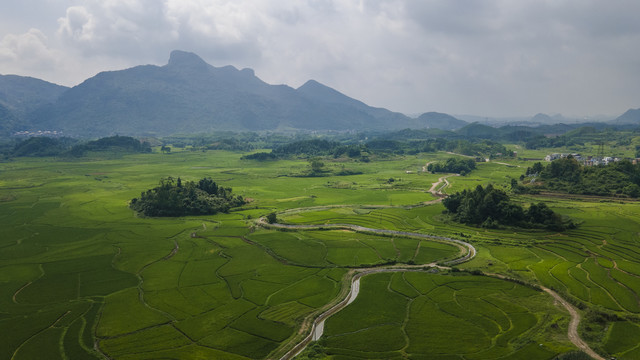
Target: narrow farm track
x: 348, y: 294
x: 437, y: 187
x: 573, y: 325
x: 467, y: 252
x: 316, y: 327
x: 572, y: 332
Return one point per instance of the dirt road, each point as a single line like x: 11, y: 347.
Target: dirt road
x: 574, y: 337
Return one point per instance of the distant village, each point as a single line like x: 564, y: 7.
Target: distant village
x: 586, y: 161
x: 50, y: 133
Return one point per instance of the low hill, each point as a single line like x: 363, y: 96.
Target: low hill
x: 478, y: 131
x: 631, y: 116
x: 436, y: 120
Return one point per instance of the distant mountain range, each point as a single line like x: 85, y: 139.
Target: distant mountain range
x: 187, y: 96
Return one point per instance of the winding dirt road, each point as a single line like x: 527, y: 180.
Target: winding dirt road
x: 574, y: 337
x: 467, y: 252
x: 348, y: 296
x: 317, y: 326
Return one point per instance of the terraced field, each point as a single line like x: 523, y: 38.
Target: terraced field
x: 427, y: 316
x: 81, y: 276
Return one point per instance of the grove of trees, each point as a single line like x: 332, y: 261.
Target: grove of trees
x: 491, y: 207
x: 568, y: 175
x: 180, y: 198
x: 453, y: 165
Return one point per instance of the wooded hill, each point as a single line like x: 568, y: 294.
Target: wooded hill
x: 568, y: 175
x: 490, y: 207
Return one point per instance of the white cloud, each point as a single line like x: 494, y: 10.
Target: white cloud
x: 77, y: 25
x: 29, y: 49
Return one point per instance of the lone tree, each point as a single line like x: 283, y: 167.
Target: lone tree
x: 165, y: 149
x: 272, y: 218
x: 317, y: 166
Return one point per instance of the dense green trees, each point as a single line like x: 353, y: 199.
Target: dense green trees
x: 179, y: 198
x: 453, y: 165
x: 490, y: 207
x: 568, y: 175
x: 46, y: 146
x: 39, y: 146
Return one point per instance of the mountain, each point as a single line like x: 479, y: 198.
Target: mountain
x: 7, y: 121
x: 631, y: 116
x: 314, y: 90
x: 542, y: 119
x: 20, y: 94
x: 188, y: 95
x: 435, y: 120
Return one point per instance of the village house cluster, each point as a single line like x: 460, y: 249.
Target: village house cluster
x: 50, y: 133
x: 586, y: 161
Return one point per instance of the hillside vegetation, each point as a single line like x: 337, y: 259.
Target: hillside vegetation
x: 568, y: 175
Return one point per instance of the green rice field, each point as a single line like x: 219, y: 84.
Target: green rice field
x: 445, y: 316
x: 82, y: 276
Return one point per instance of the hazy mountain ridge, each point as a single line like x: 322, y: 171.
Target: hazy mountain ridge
x: 631, y: 116
x: 19, y: 95
x: 436, y: 120
x: 187, y: 95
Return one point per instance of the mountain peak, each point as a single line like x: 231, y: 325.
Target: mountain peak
x: 324, y: 93
x: 442, y: 121
x: 186, y: 59
x: 631, y: 116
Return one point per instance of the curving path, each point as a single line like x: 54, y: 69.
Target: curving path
x: 573, y: 325
x: 469, y: 251
x: 467, y: 248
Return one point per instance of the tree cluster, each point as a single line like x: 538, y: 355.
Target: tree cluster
x: 45, y: 146
x: 490, y: 207
x: 541, y: 141
x: 114, y: 144
x: 568, y: 175
x: 39, y: 146
x: 177, y: 198
x: 309, y: 148
x: 453, y: 165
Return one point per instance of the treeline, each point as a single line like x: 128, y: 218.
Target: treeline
x: 177, y: 198
x: 453, y: 165
x: 380, y: 147
x: 41, y: 146
x: 114, y: 144
x: 312, y: 148
x: 490, y: 208
x: 568, y: 175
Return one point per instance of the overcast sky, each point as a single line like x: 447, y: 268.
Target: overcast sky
x: 481, y: 57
